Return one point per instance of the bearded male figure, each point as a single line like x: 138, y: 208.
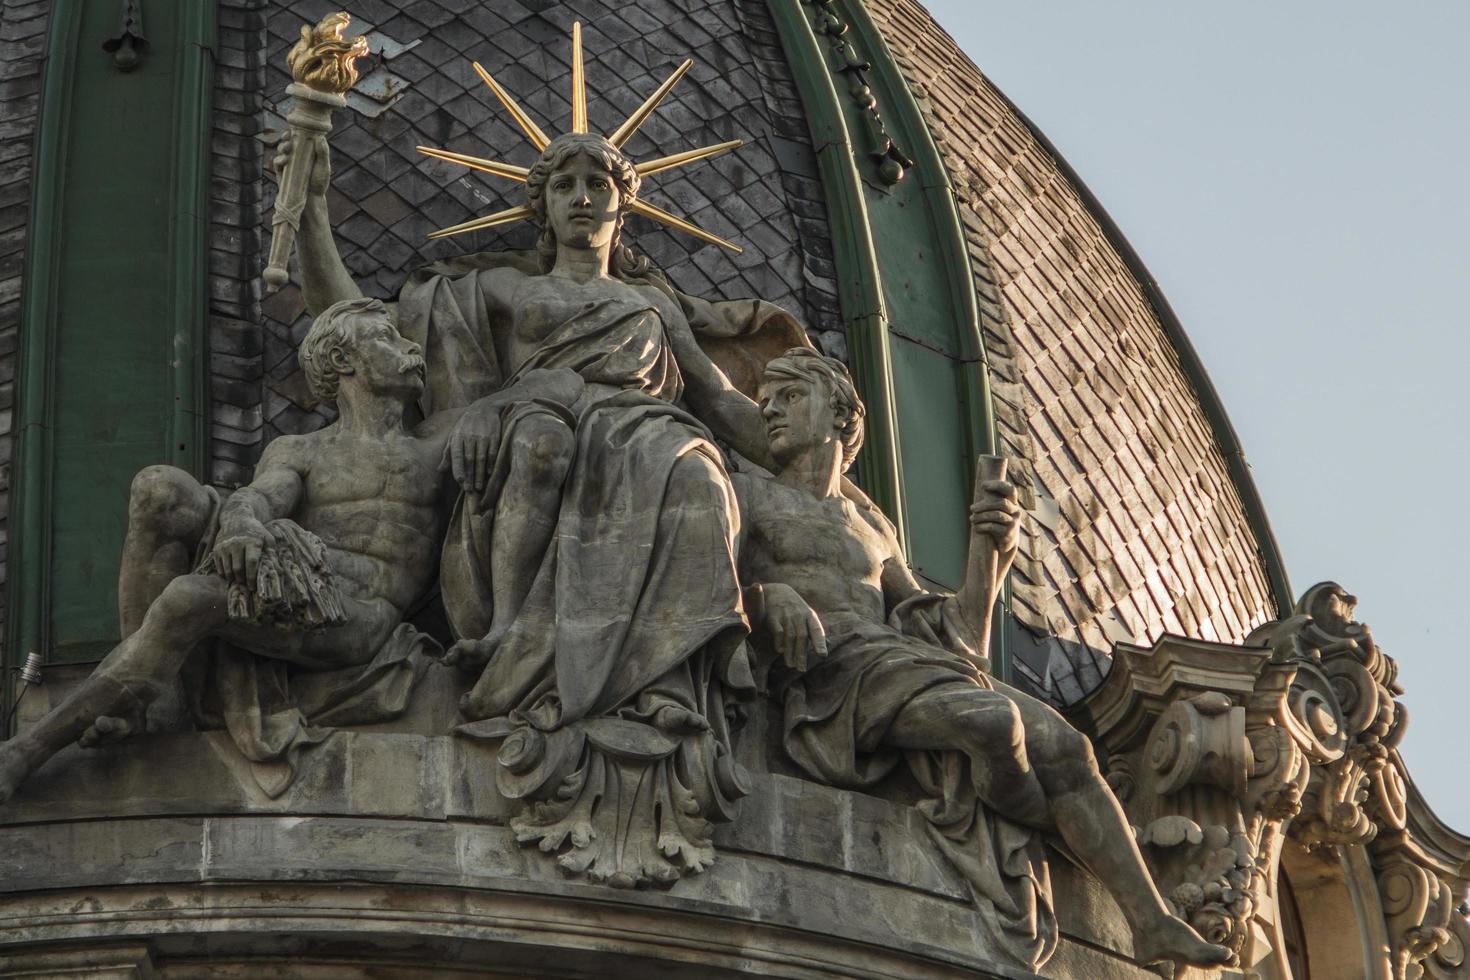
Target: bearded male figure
x: 876, y: 667
x: 310, y: 568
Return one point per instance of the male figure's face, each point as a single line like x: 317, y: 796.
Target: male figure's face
x: 582, y: 202
x: 799, y: 416
x: 383, y: 360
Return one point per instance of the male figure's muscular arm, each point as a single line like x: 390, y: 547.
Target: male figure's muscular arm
x: 899, y: 584
x: 275, y: 492
x: 324, y: 279
x: 997, y: 517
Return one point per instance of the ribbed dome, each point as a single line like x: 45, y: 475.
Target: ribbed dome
x: 1138, y: 526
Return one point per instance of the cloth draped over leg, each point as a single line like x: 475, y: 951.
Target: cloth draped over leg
x: 274, y: 710
x: 617, y: 676
x: 837, y: 715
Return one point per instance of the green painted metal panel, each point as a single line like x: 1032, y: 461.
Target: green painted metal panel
x: 860, y: 284
x: 113, y: 358
x: 937, y: 464
x: 942, y: 396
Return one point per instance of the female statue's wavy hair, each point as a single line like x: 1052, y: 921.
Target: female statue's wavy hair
x: 624, y: 264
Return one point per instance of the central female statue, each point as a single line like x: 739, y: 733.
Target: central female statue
x: 589, y: 569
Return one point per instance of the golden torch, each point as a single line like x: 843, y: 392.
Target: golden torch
x: 322, y: 72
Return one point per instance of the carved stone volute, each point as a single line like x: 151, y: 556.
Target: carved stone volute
x: 1344, y: 693
x: 1204, y: 751
x: 1219, y: 752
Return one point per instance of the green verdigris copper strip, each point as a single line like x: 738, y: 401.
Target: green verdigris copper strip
x: 906, y: 121
x: 859, y: 282
x: 193, y: 105
x: 29, y: 520
x: 112, y: 357
x: 905, y: 117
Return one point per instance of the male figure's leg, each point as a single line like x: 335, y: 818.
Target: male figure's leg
x: 190, y: 609
x: 134, y: 673
x: 168, y: 511
x: 988, y: 728
x: 1089, y: 819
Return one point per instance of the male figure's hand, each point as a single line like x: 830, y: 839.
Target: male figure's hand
x: 472, y: 447
x: 998, y: 516
x: 321, y: 163
x: 238, y: 548
x: 793, y: 626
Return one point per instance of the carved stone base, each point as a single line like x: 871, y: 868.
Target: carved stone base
x: 166, y: 845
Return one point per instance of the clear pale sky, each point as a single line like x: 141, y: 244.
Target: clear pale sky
x: 1297, y: 177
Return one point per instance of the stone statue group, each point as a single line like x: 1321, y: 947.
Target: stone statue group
x: 631, y: 504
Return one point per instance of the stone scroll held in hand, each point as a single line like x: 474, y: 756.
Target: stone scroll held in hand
x: 322, y: 72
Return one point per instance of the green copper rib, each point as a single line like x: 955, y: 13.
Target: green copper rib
x: 860, y: 284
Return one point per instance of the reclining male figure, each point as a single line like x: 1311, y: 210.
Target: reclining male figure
x: 365, y: 487
x: 826, y: 573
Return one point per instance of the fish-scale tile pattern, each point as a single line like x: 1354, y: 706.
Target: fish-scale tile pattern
x: 22, y: 56
x: 1136, y: 528
x: 418, y: 87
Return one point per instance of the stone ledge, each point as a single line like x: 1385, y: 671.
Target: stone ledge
x: 440, y: 780
x: 447, y: 887
x: 179, y: 814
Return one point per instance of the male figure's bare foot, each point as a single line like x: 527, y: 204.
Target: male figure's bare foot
x: 1170, y: 939
x: 471, y: 656
x: 108, y: 729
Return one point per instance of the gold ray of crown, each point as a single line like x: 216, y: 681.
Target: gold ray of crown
x: 617, y: 138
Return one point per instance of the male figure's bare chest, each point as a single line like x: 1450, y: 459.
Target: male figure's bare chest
x: 792, y: 530
x: 393, y: 472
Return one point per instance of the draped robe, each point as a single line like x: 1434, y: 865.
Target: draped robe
x: 635, y: 604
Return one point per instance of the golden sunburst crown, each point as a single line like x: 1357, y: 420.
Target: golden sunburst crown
x: 617, y: 138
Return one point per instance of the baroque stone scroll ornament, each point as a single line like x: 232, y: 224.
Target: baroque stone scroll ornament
x: 1209, y: 759
x: 1220, y: 752
x: 323, y: 69
x: 1345, y: 683
x: 1358, y: 792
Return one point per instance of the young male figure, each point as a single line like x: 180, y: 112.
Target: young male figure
x: 365, y: 486
x: 829, y: 578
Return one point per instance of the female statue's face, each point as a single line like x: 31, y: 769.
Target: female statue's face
x: 582, y: 202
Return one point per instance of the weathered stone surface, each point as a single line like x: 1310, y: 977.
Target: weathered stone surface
x: 223, y: 598
x: 1232, y: 760
x: 325, y: 861
x: 873, y: 668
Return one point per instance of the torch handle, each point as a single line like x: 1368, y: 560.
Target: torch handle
x: 310, y: 118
